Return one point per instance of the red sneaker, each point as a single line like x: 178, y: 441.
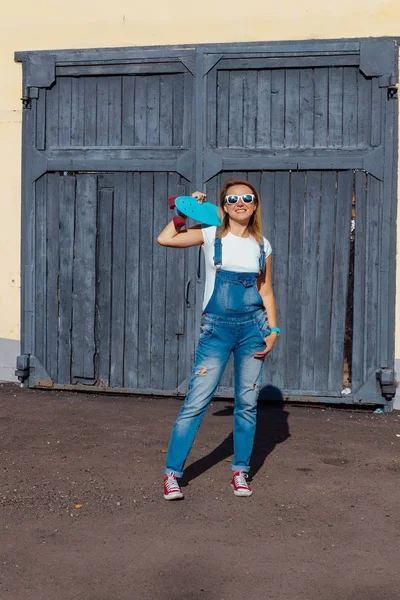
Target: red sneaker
x: 172, y: 491
x: 240, y: 485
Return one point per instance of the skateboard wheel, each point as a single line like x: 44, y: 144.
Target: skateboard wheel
x: 179, y: 222
x: 171, y: 202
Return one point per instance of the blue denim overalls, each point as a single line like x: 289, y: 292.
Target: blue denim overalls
x: 234, y: 320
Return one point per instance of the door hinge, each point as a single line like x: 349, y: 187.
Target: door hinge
x: 387, y: 383
x: 392, y: 91
x: 22, y: 371
x: 26, y: 102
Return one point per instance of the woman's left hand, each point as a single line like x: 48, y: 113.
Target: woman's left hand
x: 269, y: 344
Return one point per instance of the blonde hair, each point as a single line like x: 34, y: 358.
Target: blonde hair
x: 255, y: 225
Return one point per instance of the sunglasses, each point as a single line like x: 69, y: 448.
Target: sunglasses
x: 246, y: 198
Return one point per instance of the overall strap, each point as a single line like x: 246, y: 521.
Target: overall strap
x: 261, y: 260
x: 217, y: 252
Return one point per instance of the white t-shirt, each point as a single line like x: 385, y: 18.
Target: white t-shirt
x: 240, y: 255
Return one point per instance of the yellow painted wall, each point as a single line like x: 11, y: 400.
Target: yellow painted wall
x: 43, y: 25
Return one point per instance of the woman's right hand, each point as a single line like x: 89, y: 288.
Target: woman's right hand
x: 201, y: 197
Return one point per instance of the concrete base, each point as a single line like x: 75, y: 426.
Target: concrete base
x: 9, y: 350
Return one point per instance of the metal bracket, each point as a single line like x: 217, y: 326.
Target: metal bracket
x: 392, y: 91
x: 387, y: 382
x: 22, y: 370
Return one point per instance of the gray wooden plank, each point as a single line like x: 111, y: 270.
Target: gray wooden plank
x: 133, y: 224
x: 158, y: 300
x: 372, y: 277
x: 292, y: 112
x: 376, y: 112
x: 115, y: 112
x: 187, y: 124
x: 309, y: 278
x: 128, y: 110
x: 350, y: 107
x: 84, y: 280
x: 178, y: 110
x: 212, y: 108
x: 65, y: 107
x: 105, y: 70
x: 104, y: 282
x: 249, y: 109
x: 280, y: 269
x: 140, y: 110
x: 119, y: 242
x: 222, y: 108
x: 90, y: 111
x: 324, y: 281
x: 307, y: 92
x: 145, y: 278
x: 293, y: 321
x: 40, y: 269
x: 40, y: 115
x: 264, y: 109
x: 102, y: 111
x: 153, y: 111
x: 321, y: 108
x: 364, y: 110
x: 52, y: 118
x: 236, y: 108
x: 67, y: 220
x: 335, y: 107
x: 53, y: 270
x: 166, y: 83
x: 340, y: 279
x: 288, y: 62
x: 277, y: 108
x: 77, y: 111
x: 359, y: 308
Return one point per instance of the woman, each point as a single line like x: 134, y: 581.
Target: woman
x: 237, y: 299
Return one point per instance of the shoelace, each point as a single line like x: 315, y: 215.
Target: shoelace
x: 240, y: 480
x: 172, y: 484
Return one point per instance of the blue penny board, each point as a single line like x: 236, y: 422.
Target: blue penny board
x: 204, y: 212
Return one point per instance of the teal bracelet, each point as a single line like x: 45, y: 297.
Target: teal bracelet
x: 278, y: 331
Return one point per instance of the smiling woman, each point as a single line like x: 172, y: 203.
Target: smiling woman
x: 239, y: 317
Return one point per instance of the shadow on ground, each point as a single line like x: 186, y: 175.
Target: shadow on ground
x: 272, y: 429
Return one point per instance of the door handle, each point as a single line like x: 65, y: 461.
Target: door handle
x: 187, y: 293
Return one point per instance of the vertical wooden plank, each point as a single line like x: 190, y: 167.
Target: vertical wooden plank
x: 84, y: 288
x: 321, y: 107
x: 90, y: 119
x: 324, y: 280
x: 364, y: 110
x: 236, y: 109
x: 41, y: 269
x: 115, y: 111
x: 307, y: 92
x: 178, y: 108
x: 40, y: 140
x: 67, y: 223
x: 222, y: 107
x: 309, y: 278
x: 77, y: 111
x: 65, y: 109
x: 350, y: 107
x: 53, y: 270
x: 376, y: 112
x: 166, y: 110
x: 280, y: 269
x: 278, y: 108
x: 372, y: 276
x: 264, y: 109
x: 359, y: 310
x: 146, y: 279
x: 102, y: 111
x: 340, y: 278
x: 140, y: 110
x: 292, y: 113
x: 118, y: 282
x: 153, y: 111
x: 212, y: 107
x: 335, y: 107
x: 159, y: 257
x: 128, y: 109
x: 249, y: 108
x: 133, y: 291
x: 187, y: 110
x: 52, y: 120
x: 103, y: 282
x: 293, y: 321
